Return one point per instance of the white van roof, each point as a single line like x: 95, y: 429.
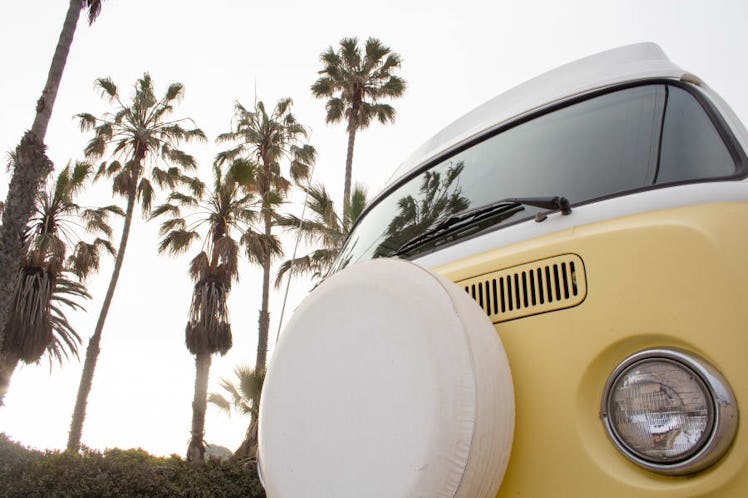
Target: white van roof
x: 619, y: 65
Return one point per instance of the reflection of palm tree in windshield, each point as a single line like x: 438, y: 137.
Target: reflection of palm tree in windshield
x: 440, y: 195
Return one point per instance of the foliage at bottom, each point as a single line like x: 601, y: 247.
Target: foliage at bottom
x: 122, y: 473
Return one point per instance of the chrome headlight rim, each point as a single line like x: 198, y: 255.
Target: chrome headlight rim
x: 723, y: 412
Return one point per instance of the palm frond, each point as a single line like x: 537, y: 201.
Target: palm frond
x: 28, y: 331
x: 94, y: 9
x: 97, y: 220
x: 107, y: 87
x: 166, y: 208
x: 244, y: 172
x: 358, y: 204
x: 174, y: 91
x: 177, y: 241
x: 260, y: 247
x: 86, y: 121
x: 220, y: 402
x: 336, y: 108
x: 244, y: 393
x: 226, y: 252
x: 183, y: 199
x: 394, y: 87
x: 199, y: 266
x: 86, y: 257
x: 145, y: 195
x: 228, y: 155
x: 194, y: 184
x: 81, y: 172
x: 208, y: 329
x: 171, y: 225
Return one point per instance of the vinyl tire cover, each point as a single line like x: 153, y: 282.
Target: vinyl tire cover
x: 389, y: 381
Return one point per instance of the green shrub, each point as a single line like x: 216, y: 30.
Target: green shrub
x: 122, y: 473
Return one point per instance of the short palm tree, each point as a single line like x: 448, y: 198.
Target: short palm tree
x: 52, y: 271
x: 218, y: 217
x: 32, y: 164
x: 323, y: 228
x: 143, y: 141
x: 355, y: 84
x: 244, y: 397
x: 268, y: 140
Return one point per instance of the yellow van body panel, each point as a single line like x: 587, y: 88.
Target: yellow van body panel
x: 670, y: 278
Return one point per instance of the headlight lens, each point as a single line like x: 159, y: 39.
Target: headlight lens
x: 669, y: 411
x: 660, y: 410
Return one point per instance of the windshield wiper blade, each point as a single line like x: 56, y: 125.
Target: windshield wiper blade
x: 457, y: 221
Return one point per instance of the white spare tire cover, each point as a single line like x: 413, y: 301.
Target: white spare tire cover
x: 389, y: 381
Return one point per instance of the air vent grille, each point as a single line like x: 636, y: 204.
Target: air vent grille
x: 538, y: 287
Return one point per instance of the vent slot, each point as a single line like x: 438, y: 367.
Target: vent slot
x: 538, y: 287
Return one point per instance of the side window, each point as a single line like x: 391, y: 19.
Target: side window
x: 691, y: 147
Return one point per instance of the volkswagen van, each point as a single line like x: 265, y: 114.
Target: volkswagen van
x: 548, y: 299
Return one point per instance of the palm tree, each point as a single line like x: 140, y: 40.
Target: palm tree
x: 217, y: 218
x: 354, y: 84
x: 32, y: 164
x: 244, y: 397
x: 324, y: 228
x: 141, y: 139
x: 267, y: 140
x: 48, y: 279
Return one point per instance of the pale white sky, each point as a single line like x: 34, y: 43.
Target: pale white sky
x: 456, y: 56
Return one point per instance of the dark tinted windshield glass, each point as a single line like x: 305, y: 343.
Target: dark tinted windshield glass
x: 599, y: 147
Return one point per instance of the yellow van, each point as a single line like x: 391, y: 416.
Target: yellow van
x: 548, y: 299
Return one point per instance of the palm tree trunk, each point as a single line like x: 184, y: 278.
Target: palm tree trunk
x: 49, y: 94
x: 264, y: 319
x: 8, y: 363
x: 92, y: 352
x: 248, y: 448
x: 196, y: 448
x: 352, y: 126
x: 32, y: 165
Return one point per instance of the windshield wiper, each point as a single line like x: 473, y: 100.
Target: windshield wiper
x: 506, y: 207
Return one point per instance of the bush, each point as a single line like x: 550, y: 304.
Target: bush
x: 30, y: 473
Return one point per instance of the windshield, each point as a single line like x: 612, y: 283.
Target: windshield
x: 609, y: 144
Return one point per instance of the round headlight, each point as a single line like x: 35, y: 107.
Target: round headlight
x: 669, y: 411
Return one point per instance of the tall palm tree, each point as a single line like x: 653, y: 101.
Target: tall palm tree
x: 49, y: 278
x: 323, y: 228
x: 32, y: 164
x: 355, y: 83
x: 268, y: 140
x: 244, y: 397
x: 141, y: 138
x: 218, y: 217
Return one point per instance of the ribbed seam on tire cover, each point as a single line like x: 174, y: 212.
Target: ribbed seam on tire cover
x: 494, y: 424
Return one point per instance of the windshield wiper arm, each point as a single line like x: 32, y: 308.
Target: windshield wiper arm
x: 466, y: 218
x: 555, y: 202
x: 552, y: 203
